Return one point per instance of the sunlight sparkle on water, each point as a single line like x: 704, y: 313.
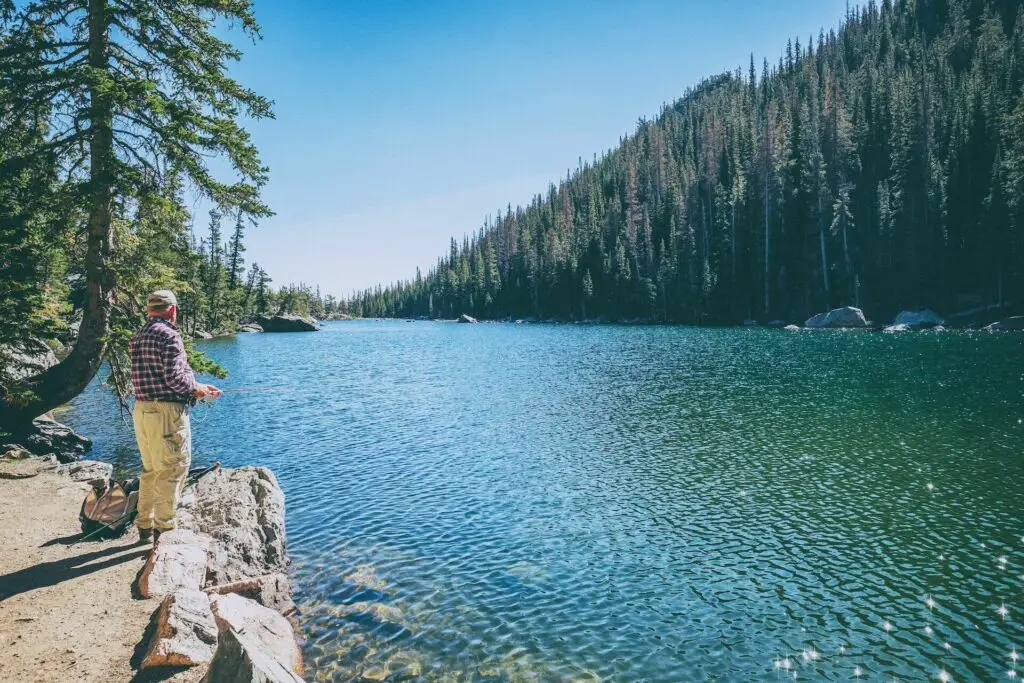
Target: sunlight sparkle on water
x: 1003, y: 612
x: 930, y: 602
x: 1014, y: 656
x: 944, y: 676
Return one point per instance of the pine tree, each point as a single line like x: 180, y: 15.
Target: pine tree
x: 129, y: 88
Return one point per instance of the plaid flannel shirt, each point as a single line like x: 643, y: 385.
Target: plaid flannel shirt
x: 160, y: 369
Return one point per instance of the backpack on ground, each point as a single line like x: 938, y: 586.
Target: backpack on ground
x: 108, y: 511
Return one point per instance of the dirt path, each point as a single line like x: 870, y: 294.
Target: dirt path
x: 66, y: 613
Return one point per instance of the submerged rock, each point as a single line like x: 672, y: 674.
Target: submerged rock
x: 186, y: 633
x: 287, y: 323
x: 242, y: 510
x: 844, y: 317
x: 919, y: 319
x: 467, y: 319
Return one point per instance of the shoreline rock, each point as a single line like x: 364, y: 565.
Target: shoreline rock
x: 223, y: 571
x: 845, y: 317
x: 287, y: 323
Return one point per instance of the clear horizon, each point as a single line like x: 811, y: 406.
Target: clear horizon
x: 402, y: 125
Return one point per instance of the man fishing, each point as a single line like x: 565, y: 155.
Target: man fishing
x: 165, y: 387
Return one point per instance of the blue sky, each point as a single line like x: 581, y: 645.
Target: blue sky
x: 400, y: 124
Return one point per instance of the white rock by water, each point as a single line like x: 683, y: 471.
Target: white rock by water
x: 273, y: 591
x: 240, y: 659
x: 269, y: 629
x: 891, y: 329
x: 243, y: 511
x: 178, y: 560
x: 792, y: 328
x: 186, y: 633
x: 844, y: 317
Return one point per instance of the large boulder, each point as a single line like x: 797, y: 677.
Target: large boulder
x: 243, y: 511
x: 178, y: 560
x: 817, y: 321
x: 250, y: 328
x: 272, y: 590
x: 791, y: 328
x: 899, y: 327
x: 46, y: 436
x: 917, y: 320
x: 467, y: 319
x: 270, y: 630
x: 287, y: 323
x: 241, y: 659
x: 186, y: 633
x: 1014, y: 324
x: 844, y: 317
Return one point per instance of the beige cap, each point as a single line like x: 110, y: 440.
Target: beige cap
x: 161, y: 299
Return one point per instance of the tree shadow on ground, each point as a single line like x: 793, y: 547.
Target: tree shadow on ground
x: 52, y: 573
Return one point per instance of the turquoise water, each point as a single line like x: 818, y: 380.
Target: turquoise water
x: 540, y: 502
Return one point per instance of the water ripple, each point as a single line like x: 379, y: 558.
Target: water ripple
x: 614, y: 503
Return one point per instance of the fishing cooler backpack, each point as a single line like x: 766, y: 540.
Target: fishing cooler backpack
x: 109, y: 509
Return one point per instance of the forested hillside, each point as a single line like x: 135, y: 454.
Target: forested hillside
x: 880, y: 164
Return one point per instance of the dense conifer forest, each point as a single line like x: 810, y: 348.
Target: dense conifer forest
x: 880, y: 164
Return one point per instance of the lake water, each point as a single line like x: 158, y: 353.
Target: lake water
x: 542, y: 502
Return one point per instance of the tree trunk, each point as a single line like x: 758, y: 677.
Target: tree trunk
x: 824, y: 253
x: 67, y: 379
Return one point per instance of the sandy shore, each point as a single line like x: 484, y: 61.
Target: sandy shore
x: 66, y: 613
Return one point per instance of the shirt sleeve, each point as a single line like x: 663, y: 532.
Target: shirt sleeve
x: 177, y: 372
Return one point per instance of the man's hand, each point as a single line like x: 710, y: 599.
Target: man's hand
x: 206, y: 391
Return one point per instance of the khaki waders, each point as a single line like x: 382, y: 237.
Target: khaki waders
x: 165, y: 441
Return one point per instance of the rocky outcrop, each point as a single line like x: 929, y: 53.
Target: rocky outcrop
x: 845, y: 317
x: 1014, y: 324
x: 89, y: 471
x: 899, y: 327
x: 46, y: 436
x: 241, y: 659
x: 178, y: 560
x: 186, y: 633
x: 792, y: 328
x: 287, y: 323
x: 467, y: 319
x: 917, y: 320
x: 19, y: 365
x: 266, y: 627
x: 24, y: 468
x: 272, y: 591
x: 250, y: 328
x: 242, y: 510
